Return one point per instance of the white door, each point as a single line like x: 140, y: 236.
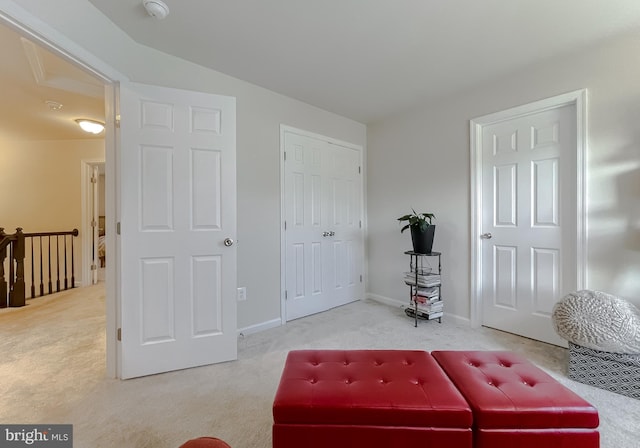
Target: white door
x: 528, y: 220
x: 178, y: 205
x: 323, y: 234
x: 95, y: 262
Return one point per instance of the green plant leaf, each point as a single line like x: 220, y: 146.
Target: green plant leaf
x: 415, y: 219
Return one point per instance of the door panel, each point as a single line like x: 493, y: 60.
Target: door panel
x: 529, y: 208
x: 323, y: 238
x: 177, y: 206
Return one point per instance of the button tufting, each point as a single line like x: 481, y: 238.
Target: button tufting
x: 313, y: 380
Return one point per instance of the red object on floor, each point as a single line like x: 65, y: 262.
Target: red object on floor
x: 516, y: 404
x: 205, y: 442
x: 369, y: 398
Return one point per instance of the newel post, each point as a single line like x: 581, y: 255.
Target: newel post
x: 17, y: 297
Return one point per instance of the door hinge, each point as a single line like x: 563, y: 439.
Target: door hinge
x: 361, y: 279
x: 93, y: 223
x: 361, y: 224
x: 286, y: 296
x: 285, y: 156
x: 117, y: 121
x: 359, y: 170
x: 118, y: 228
x: 119, y: 334
x: 285, y: 225
x: 94, y: 180
x: 93, y: 267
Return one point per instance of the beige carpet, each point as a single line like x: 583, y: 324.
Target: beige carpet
x: 52, y: 371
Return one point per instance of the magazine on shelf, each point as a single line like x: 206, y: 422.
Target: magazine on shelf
x: 429, y: 292
x: 431, y: 308
x: 424, y: 315
x: 423, y: 281
x: 427, y: 300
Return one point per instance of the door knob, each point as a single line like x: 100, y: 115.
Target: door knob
x: 486, y: 236
x: 332, y: 233
x: 325, y: 234
x: 228, y: 242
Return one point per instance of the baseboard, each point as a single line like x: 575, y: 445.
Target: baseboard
x: 386, y: 300
x: 403, y: 304
x: 257, y: 328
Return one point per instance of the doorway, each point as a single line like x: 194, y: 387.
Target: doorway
x: 529, y: 217
x: 94, y: 222
x: 59, y: 81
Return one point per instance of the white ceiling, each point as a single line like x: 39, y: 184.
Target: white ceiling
x: 363, y: 59
x: 30, y: 76
x: 367, y: 59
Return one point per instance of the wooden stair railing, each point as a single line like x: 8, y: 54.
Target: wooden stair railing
x: 13, y: 292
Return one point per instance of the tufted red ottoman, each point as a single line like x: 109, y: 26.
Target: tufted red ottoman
x: 515, y: 404
x: 369, y: 398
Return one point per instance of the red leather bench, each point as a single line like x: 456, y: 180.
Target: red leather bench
x: 515, y: 404
x: 368, y: 398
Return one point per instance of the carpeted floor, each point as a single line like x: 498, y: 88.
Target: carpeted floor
x: 52, y: 371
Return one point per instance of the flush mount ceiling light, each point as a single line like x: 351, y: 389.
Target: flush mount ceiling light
x: 53, y: 105
x: 156, y: 8
x: 91, y: 126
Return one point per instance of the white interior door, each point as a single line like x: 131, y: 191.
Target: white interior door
x: 95, y: 262
x: 528, y: 220
x: 178, y: 206
x: 323, y: 235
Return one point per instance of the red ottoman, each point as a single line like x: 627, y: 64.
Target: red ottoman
x: 368, y: 398
x: 205, y: 442
x: 515, y: 404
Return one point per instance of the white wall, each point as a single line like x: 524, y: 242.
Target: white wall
x: 259, y: 115
x: 40, y: 183
x: 41, y: 187
x: 421, y: 159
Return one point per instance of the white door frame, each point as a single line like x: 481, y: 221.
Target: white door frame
x: 283, y: 251
x: 35, y: 29
x: 86, y: 231
x: 579, y: 99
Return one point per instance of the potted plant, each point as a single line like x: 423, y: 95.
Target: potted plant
x: 422, y: 230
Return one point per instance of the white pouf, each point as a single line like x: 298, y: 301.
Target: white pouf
x: 604, y: 340
x: 599, y: 321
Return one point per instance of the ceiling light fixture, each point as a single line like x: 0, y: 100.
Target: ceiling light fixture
x: 53, y: 105
x: 156, y: 8
x: 91, y: 126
